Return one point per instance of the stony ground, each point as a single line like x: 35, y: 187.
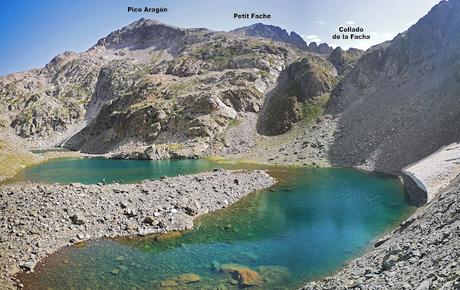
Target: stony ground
x: 38, y: 219
x: 305, y: 144
x: 238, y: 138
x: 422, y: 253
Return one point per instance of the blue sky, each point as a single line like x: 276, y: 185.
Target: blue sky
x: 32, y: 32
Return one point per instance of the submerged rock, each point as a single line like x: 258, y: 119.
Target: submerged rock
x: 115, y: 271
x: 274, y: 274
x: 183, y: 279
x: 245, y: 276
x: 169, y: 235
x: 188, y: 278
x: 169, y: 283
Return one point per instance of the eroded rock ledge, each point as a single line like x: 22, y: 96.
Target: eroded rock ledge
x: 38, y: 219
x: 424, y: 251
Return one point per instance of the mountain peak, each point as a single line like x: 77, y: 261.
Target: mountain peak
x: 279, y: 34
x: 142, y: 33
x: 272, y: 32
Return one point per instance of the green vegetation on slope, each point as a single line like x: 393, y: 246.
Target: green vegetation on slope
x: 302, y: 93
x: 11, y: 160
x: 314, y: 107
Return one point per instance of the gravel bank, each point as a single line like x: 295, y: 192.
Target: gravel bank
x: 38, y: 219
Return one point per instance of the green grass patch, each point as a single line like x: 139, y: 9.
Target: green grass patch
x: 263, y: 73
x: 12, y: 161
x: 234, y: 123
x: 314, y: 108
x: 140, y: 105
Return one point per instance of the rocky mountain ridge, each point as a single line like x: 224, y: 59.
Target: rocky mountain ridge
x: 154, y: 84
x: 278, y: 34
x: 145, y: 84
x: 172, y: 92
x: 400, y: 101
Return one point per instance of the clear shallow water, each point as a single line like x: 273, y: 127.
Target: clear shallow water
x: 94, y: 170
x: 309, y: 224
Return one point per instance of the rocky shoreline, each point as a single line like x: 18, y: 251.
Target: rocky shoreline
x: 38, y: 219
x: 155, y: 91
x: 424, y: 251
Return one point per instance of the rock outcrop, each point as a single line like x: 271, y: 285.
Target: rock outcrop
x: 272, y: 32
x: 302, y: 92
x: 278, y: 34
x: 344, y: 60
x: 147, y: 83
x: 322, y: 48
x: 427, y: 177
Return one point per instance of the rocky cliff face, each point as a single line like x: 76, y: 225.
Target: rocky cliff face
x: 41, y: 102
x: 151, y: 83
x: 192, y: 97
x: 400, y: 102
x: 146, y: 83
x: 302, y: 92
x: 344, y: 60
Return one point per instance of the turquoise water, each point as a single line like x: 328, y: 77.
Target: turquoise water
x: 94, y: 170
x: 306, y: 226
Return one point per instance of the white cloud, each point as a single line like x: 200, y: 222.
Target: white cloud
x: 311, y: 38
x: 321, y: 22
x: 350, y: 22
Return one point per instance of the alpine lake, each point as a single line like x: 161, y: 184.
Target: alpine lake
x: 307, y: 225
